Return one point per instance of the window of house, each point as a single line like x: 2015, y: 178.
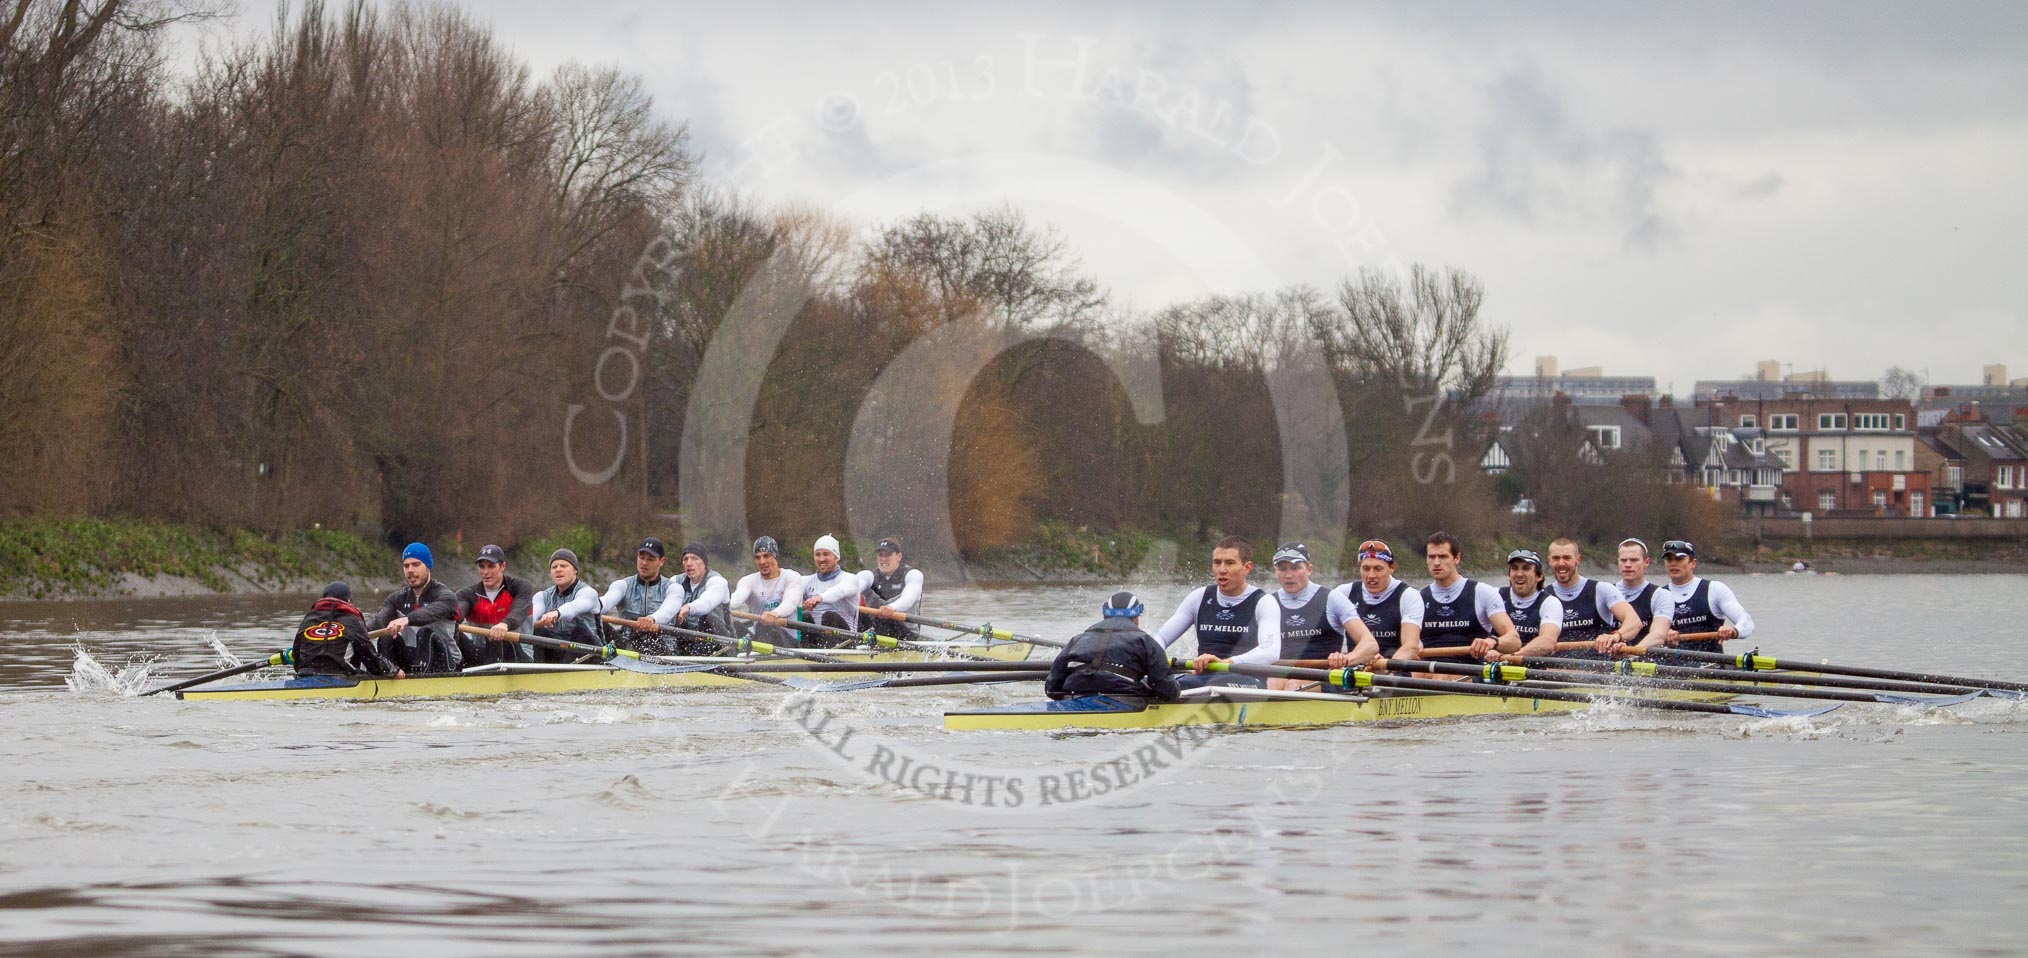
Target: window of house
x: 1870, y: 420
x: 1879, y: 460
x: 1900, y: 460
x: 1859, y: 461
x: 1879, y: 499
x: 1759, y: 446
x: 1916, y: 506
x: 1788, y: 501
x: 1787, y: 422
x: 1954, y: 476
x: 1829, y: 421
x: 1827, y: 460
x: 1786, y: 455
x: 1827, y: 501
x: 1607, y: 437
x: 1747, y: 421
x: 1900, y: 421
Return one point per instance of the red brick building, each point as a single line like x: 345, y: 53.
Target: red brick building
x: 1842, y: 457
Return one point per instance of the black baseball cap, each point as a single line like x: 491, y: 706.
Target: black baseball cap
x: 491, y: 554
x: 1291, y: 552
x: 1678, y: 547
x: 653, y: 547
x: 888, y: 545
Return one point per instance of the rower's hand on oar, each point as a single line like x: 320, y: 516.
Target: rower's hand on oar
x: 1482, y: 647
x: 500, y: 633
x: 683, y: 613
x: 1607, y: 644
x: 811, y: 603
x: 769, y: 618
x: 395, y: 627
x: 1727, y: 633
x: 548, y: 619
x: 647, y: 623
x: 1202, y: 662
x: 1671, y: 637
x: 889, y: 614
x: 1339, y: 660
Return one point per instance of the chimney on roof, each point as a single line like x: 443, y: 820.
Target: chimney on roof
x: 1996, y: 374
x: 1636, y: 406
x: 1974, y: 415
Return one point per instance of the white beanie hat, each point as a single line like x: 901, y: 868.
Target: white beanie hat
x: 827, y: 542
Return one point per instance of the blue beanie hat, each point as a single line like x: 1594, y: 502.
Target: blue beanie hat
x: 420, y: 553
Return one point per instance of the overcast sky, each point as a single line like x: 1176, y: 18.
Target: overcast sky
x: 1676, y: 192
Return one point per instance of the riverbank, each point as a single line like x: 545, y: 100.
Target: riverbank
x: 123, y: 558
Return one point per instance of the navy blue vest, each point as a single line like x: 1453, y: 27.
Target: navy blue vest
x: 1226, y: 631
x: 1382, y: 618
x: 1307, y: 631
x: 1454, y: 623
x: 1644, y: 605
x: 1694, y: 614
x: 1581, y: 622
x: 1528, y: 621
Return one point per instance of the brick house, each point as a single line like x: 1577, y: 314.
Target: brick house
x: 1995, y: 461
x: 1842, y: 457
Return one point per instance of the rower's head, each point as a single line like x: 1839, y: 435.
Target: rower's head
x: 1563, y: 559
x: 1633, y: 560
x: 824, y: 555
x: 1524, y: 572
x: 695, y: 562
x: 1443, y: 553
x: 767, y: 556
x: 1376, y: 564
x: 416, y: 564
x: 1231, y: 562
x: 887, y: 555
x: 1292, y: 566
x: 492, y: 563
x: 650, y: 557
x: 1123, y: 605
x: 1680, y: 558
x: 563, y: 567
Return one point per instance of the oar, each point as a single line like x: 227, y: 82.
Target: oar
x: 1360, y: 679
x: 1646, y: 668
x: 283, y: 657
x: 868, y: 637
x: 984, y: 631
x: 1754, y: 661
x: 737, y: 645
x: 609, y: 651
x: 814, y: 685
x: 991, y: 665
x: 1528, y: 677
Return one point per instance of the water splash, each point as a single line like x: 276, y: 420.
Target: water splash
x: 89, y: 677
x: 226, y: 659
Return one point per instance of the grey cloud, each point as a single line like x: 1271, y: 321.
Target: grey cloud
x: 1534, y: 165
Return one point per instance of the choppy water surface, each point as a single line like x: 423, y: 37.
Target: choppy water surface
x: 708, y: 820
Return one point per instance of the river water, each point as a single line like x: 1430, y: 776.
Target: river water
x: 710, y: 821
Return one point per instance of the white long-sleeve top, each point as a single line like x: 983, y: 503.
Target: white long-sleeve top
x: 839, y: 594
x: 757, y: 595
x: 1267, y: 624
x: 911, y: 589
x: 583, y: 599
x: 1723, y: 603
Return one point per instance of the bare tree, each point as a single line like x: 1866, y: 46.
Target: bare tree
x: 1900, y: 382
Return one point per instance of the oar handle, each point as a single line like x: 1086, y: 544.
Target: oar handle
x: 561, y: 645
x: 983, y: 631
x: 802, y: 626
x: 738, y: 645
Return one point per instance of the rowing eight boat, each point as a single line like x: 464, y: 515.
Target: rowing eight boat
x: 1263, y: 708
x: 525, y: 678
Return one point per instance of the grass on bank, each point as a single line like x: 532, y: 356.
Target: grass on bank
x: 41, y: 558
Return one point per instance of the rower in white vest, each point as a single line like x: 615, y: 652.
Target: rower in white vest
x: 768, y: 587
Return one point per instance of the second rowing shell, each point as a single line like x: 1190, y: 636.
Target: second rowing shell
x: 527, y: 679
